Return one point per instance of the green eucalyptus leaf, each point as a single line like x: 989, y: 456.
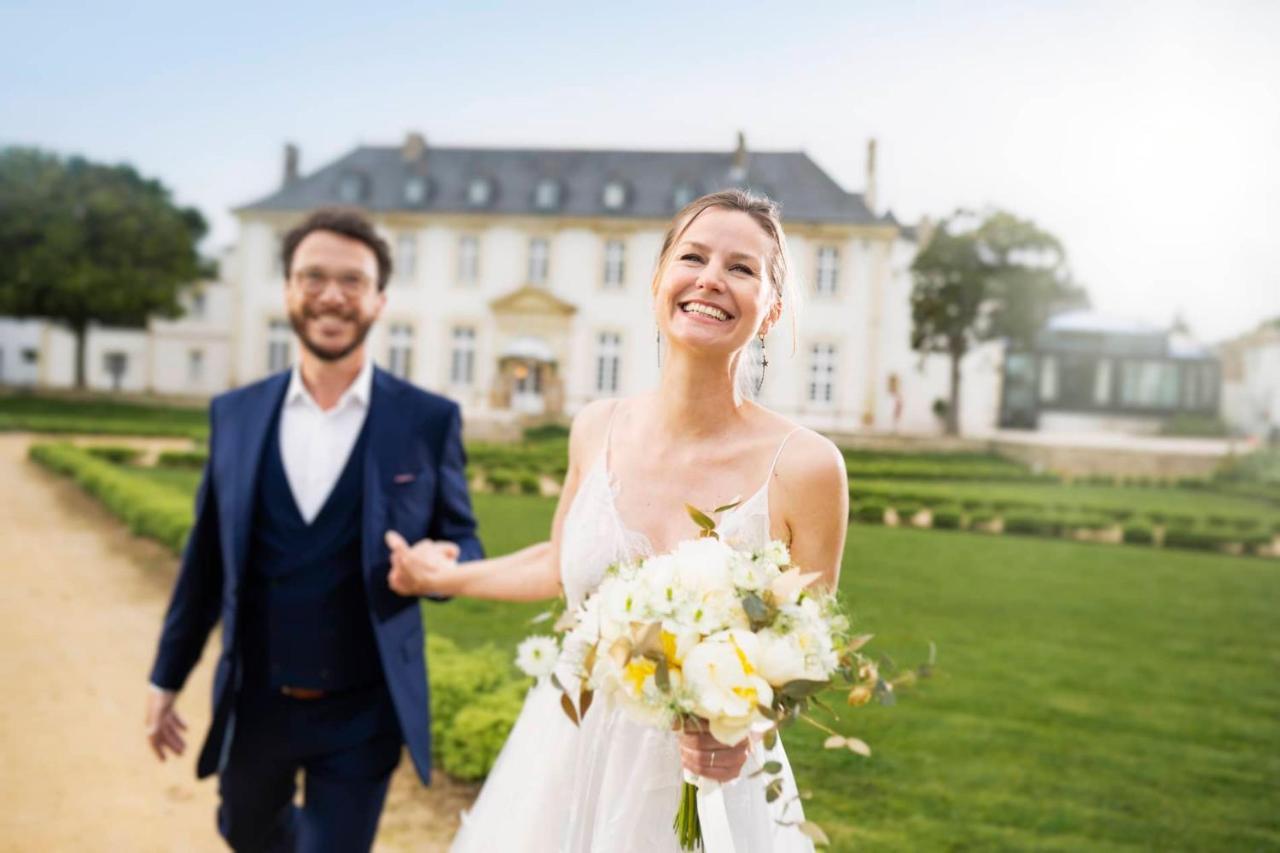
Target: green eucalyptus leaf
x: 801, y: 689
x: 772, y: 767
x: 700, y: 518
x: 728, y: 506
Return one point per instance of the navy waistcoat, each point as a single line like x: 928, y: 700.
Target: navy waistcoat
x: 306, y: 616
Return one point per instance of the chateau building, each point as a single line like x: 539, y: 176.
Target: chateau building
x: 522, y: 277
x: 521, y: 285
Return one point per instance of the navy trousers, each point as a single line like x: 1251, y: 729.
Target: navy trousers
x: 346, y: 746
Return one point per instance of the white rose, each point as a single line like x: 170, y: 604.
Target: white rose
x: 726, y: 687
x: 702, y: 565
x: 798, y: 655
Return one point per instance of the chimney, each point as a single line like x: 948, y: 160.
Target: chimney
x: 738, y: 171
x: 869, y: 193
x: 290, y: 164
x: 414, y: 148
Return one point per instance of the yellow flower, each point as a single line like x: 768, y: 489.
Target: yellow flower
x: 669, y: 648
x: 637, y: 671
x: 860, y: 695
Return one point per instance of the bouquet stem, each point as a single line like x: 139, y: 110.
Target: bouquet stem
x: 687, y: 825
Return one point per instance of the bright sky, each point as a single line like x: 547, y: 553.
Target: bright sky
x: 1145, y: 134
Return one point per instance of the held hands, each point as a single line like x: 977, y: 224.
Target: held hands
x: 164, y: 726
x: 702, y: 754
x: 426, y: 568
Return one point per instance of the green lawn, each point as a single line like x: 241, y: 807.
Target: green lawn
x: 1090, y: 697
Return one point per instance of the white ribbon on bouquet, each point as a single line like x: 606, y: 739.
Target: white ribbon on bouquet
x: 712, y: 814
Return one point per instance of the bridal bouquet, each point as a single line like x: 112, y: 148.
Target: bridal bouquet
x: 736, y: 641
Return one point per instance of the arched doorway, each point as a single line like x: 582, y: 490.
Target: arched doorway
x: 526, y: 370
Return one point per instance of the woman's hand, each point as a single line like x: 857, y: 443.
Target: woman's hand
x: 702, y: 754
x: 426, y: 568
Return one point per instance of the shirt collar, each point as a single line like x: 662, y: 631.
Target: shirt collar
x: 357, y: 393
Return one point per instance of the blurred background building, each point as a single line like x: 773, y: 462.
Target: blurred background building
x: 1090, y: 373
x: 1251, y: 381
x: 522, y: 287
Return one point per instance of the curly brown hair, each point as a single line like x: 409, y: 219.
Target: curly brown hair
x: 343, y: 221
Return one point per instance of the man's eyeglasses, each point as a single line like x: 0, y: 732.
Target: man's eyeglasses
x: 313, y: 282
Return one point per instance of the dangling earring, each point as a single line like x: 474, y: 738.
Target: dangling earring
x: 764, y: 363
x: 657, y: 337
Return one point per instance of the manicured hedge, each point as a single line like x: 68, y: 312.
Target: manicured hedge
x: 946, y: 518
x: 1027, y: 524
x: 190, y: 459
x: 115, y: 454
x: 1138, y: 534
x: 1196, y: 539
x: 161, y: 514
x: 868, y: 513
x: 475, y: 699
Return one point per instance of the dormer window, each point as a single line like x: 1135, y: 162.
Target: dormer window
x: 614, y: 195
x: 351, y: 188
x: 684, y: 193
x: 479, y: 192
x: 546, y: 195
x: 415, y: 190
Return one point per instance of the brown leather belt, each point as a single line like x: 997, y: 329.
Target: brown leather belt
x: 303, y: 693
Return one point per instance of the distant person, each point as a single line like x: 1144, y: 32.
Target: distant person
x: 322, y: 665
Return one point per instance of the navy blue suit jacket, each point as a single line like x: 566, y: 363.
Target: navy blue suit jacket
x: 414, y: 483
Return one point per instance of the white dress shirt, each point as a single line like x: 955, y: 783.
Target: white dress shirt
x: 315, y: 444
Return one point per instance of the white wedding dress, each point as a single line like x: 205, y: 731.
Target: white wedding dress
x: 613, y: 785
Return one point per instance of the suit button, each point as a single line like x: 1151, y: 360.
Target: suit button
x: 324, y: 673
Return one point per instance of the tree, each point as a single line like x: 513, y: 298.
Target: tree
x: 82, y: 242
x: 1001, y: 277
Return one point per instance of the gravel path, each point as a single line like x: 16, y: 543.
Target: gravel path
x: 80, y: 612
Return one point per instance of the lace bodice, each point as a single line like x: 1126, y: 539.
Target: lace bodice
x: 595, y: 536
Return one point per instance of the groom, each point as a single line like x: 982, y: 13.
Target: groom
x: 309, y: 471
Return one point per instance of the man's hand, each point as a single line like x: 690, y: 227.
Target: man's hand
x: 426, y: 568
x: 164, y: 726
x: 702, y: 754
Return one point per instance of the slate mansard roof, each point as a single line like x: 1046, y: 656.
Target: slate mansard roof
x: 654, y: 184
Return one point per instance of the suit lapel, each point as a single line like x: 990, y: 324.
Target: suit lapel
x: 384, y: 430
x: 251, y: 433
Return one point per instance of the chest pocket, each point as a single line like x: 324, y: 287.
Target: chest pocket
x: 409, y: 501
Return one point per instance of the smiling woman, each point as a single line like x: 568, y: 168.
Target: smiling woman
x: 720, y: 285
x: 713, y: 289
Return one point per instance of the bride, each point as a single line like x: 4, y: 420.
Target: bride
x: 613, y: 785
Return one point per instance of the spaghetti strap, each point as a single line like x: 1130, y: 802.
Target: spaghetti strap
x: 608, y: 437
x: 778, y: 455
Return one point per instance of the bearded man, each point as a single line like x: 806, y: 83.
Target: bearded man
x: 313, y: 475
